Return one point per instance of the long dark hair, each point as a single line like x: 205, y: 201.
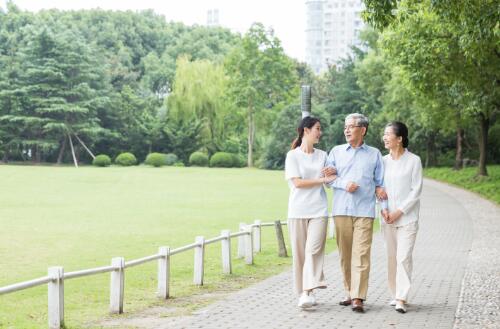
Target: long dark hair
x: 307, y: 122
x: 400, y: 130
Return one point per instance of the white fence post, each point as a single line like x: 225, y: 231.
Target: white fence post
x: 257, y: 236
x: 248, y: 246
x: 117, y: 285
x: 241, y: 242
x: 226, y: 252
x: 199, y: 255
x: 331, y: 227
x: 164, y: 272
x: 56, y: 297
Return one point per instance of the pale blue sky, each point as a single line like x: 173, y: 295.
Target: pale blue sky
x: 286, y: 17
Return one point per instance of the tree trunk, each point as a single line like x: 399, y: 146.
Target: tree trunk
x: 484, y: 125
x: 61, y: 151
x: 72, y: 151
x: 431, y: 150
x: 5, y: 157
x: 459, y: 150
x: 251, y: 136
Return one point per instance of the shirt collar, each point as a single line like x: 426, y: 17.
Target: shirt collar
x: 348, y: 146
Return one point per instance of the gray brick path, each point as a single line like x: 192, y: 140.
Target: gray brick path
x: 440, y: 260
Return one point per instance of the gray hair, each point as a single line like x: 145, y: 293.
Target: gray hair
x: 360, y: 120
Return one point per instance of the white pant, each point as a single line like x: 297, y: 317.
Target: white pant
x: 399, y: 242
x: 307, y: 237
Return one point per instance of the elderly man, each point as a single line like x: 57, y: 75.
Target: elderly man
x: 360, y: 174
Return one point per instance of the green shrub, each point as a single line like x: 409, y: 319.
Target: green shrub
x: 171, y: 159
x: 199, y: 159
x: 239, y: 160
x: 102, y: 160
x: 222, y: 159
x: 126, y: 159
x: 179, y: 164
x: 156, y: 159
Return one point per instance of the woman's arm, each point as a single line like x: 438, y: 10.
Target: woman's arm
x: 307, y: 183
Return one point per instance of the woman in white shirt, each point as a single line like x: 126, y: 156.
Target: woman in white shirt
x: 307, y: 209
x: 403, y: 184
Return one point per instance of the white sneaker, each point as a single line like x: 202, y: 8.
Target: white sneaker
x: 314, y: 302
x: 305, y: 301
x: 400, y: 307
x: 392, y: 302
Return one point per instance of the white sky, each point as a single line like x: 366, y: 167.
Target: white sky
x: 286, y: 17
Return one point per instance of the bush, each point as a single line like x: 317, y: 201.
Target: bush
x: 156, y: 159
x: 126, y: 159
x: 171, y: 159
x: 239, y: 160
x: 198, y: 159
x: 223, y: 159
x: 102, y: 160
x: 179, y: 164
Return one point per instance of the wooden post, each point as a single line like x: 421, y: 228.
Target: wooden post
x: 241, y: 242
x: 248, y: 246
x: 164, y: 272
x: 331, y: 227
x: 256, y: 236
x: 117, y: 285
x: 56, y: 297
x: 226, y: 252
x: 199, y: 255
x: 281, y: 239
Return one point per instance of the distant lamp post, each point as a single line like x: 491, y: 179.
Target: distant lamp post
x: 306, y: 101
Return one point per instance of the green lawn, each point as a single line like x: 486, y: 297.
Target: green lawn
x: 488, y: 187
x: 81, y: 218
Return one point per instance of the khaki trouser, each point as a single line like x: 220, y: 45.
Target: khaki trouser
x: 354, y: 240
x: 307, y: 237
x: 399, y: 243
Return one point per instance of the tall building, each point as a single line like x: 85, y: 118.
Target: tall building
x: 332, y: 28
x: 213, y: 17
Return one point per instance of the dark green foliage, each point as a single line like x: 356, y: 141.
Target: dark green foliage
x: 156, y: 159
x: 198, y: 159
x: 102, y: 160
x: 239, y: 161
x: 170, y: 159
x: 223, y: 159
x: 126, y: 159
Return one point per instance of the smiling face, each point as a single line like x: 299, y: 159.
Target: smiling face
x: 313, y: 134
x: 353, y: 132
x: 391, y: 141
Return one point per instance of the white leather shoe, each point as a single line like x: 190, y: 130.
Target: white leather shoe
x: 305, y: 301
x: 400, y: 307
x: 392, y: 302
x: 314, y: 302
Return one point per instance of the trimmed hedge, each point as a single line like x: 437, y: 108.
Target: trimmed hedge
x: 126, y: 159
x: 199, y: 159
x: 222, y: 159
x: 102, y: 160
x: 156, y: 159
x: 239, y: 160
x: 171, y: 159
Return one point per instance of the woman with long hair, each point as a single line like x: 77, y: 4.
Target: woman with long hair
x: 403, y: 185
x: 307, y: 209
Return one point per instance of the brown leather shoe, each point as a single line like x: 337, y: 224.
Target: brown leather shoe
x: 357, y: 305
x: 345, y: 302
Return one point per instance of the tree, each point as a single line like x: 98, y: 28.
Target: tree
x: 261, y: 76
x: 448, y: 48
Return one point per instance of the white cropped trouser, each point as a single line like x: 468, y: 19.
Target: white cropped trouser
x: 399, y: 242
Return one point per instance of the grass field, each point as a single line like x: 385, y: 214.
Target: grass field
x: 488, y: 187
x: 81, y: 218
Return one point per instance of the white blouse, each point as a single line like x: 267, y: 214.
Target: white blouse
x: 403, y: 184
x: 308, y: 202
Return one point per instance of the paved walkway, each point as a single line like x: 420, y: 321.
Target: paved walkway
x: 441, y: 258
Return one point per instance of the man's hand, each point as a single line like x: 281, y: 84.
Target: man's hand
x: 394, y: 216
x: 352, y: 187
x: 385, y: 215
x: 329, y: 179
x: 380, y: 193
x: 328, y: 171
